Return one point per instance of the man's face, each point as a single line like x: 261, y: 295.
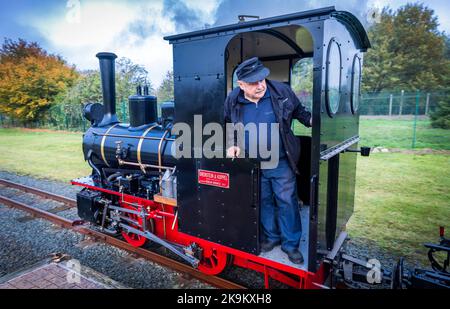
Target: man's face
x: 253, y: 91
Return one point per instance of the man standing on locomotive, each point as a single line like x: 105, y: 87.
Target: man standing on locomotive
x: 262, y: 101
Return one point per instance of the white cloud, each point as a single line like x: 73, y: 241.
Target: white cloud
x: 154, y: 53
x: 130, y: 29
x: 98, y: 23
x: 206, y: 7
x: 135, y: 29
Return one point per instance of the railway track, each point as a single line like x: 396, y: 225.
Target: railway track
x: 80, y: 227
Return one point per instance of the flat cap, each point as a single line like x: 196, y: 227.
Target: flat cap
x: 251, y: 70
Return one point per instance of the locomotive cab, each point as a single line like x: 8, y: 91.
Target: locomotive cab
x: 288, y: 52
x: 319, y: 54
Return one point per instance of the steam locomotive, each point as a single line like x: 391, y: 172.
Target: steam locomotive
x: 206, y: 210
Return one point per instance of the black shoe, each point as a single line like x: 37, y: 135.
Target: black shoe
x: 294, y: 256
x: 267, y: 245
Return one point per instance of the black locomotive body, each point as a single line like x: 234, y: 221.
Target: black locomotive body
x: 114, y: 149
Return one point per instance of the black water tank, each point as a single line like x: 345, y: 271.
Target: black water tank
x: 143, y: 109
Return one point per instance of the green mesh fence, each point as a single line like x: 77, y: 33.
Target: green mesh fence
x: 62, y: 117
x: 391, y: 119
x: 400, y: 103
x: 65, y: 117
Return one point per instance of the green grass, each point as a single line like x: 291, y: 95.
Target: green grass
x: 396, y: 132
x: 401, y: 199
x: 54, y: 155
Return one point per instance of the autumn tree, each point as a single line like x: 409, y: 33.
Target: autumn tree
x: 408, y: 51
x: 379, y: 61
x: 30, y: 79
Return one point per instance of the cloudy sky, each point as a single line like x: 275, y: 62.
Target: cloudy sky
x: 78, y: 29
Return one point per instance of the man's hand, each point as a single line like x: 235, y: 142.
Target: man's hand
x: 233, y: 152
x: 310, y: 121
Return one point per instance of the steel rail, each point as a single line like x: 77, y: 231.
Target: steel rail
x: 98, y: 236
x: 63, y: 222
x: 44, y: 194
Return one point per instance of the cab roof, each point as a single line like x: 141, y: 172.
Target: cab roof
x: 352, y: 24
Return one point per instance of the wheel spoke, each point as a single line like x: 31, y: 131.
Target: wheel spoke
x: 135, y: 240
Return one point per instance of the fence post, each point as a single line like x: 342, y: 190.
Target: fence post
x: 66, y: 118
x: 401, y: 102
x: 415, y: 120
x: 390, y: 104
x: 427, y: 104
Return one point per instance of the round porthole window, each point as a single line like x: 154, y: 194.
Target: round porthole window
x: 356, y: 84
x: 333, y: 80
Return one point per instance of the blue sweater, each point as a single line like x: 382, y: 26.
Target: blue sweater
x: 257, y: 113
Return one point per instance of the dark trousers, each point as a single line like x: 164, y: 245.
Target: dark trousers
x: 280, y: 214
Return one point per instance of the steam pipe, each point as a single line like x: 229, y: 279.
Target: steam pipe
x: 107, y: 73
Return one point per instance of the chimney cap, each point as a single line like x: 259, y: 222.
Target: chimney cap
x: 106, y: 55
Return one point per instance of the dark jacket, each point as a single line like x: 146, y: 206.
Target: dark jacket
x: 286, y: 106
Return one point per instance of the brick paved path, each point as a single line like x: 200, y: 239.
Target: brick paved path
x: 56, y: 276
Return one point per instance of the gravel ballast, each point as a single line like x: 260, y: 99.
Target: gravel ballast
x: 25, y: 241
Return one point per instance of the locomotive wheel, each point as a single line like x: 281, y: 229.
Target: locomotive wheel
x: 213, y: 261
x: 133, y: 239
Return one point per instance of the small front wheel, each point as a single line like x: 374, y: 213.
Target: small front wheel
x: 213, y: 261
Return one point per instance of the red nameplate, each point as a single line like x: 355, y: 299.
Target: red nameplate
x: 216, y: 179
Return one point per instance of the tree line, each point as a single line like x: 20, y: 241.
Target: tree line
x: 32, y: 81
x: 408, y: 53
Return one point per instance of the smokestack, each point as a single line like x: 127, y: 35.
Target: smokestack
x: 107, y: 73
